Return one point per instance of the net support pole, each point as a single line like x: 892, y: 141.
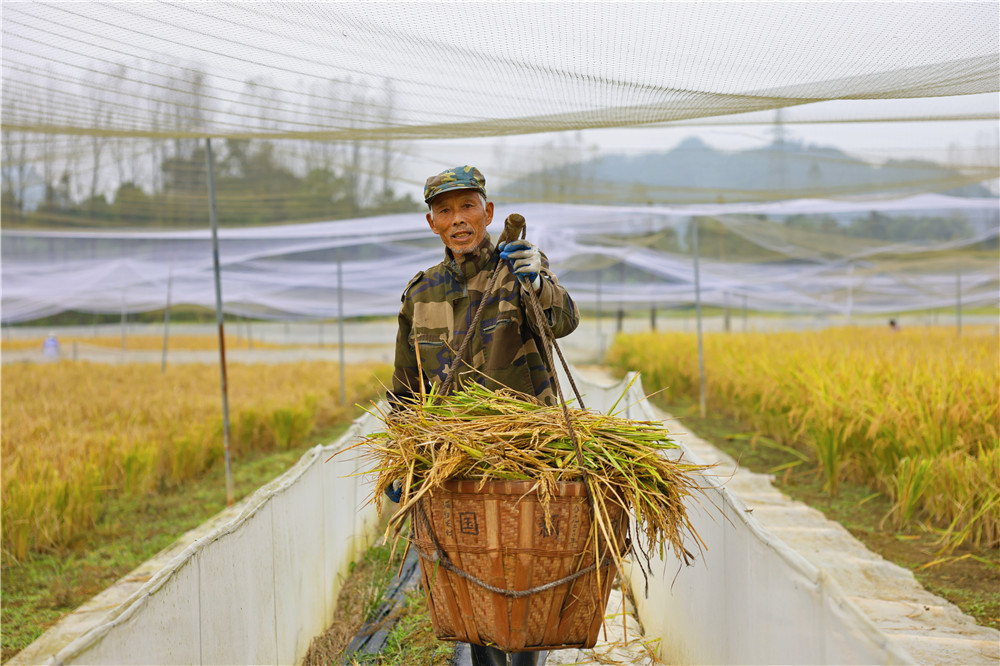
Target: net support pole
x: 850, y: 292
x: 620, y: 324
x: 600, y: 336
x: 340, y: 327
x: 213, y: 216
x: 958, y: 300
x: 166, y: 321
x: 124, y: 315
x: 697, y: 310
x: 246, y: 327
x: 726, y: 317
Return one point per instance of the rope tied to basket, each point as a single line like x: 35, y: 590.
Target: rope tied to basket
x: 514, y: 227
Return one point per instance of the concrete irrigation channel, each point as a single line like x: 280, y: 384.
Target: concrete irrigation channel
x: 778, y: 583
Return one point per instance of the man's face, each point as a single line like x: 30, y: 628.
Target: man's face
x: 460, y: 219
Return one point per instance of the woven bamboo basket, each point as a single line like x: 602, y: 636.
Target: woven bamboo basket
x: 498, y: 535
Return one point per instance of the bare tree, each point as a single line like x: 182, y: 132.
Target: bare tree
x: 388, y: 111
x: 15, y: 154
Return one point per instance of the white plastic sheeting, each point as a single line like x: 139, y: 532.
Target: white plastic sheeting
x: 292, y: 271
x: 257, y: 589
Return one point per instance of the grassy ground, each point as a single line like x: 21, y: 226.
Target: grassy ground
x: 411, y: 640
x: 38, y: 592
x: 968, y: 578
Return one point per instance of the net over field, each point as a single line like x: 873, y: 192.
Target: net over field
x: 357, y: 71
x: 99, y: 93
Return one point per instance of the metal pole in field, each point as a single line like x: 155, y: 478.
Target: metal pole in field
x: 697, y: 308
x: 124, y: 316
x: 850, y: 292
x: 340, y: 327
x: 166, y: 320
x: 958, y: 299
x: 600, y: 341
x: 230, y: 495
x: 621, y: 305
x: 726, y: 318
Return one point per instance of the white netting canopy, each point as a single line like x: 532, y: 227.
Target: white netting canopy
x: 101, y: 95
x: 608, y: 257
x: 409, y: 70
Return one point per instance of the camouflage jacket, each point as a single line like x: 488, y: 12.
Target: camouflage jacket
x: 438, y: 307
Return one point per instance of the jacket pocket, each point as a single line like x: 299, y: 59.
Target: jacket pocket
x: 435, y: 357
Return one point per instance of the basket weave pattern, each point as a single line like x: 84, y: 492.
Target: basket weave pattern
x: 498, y: 535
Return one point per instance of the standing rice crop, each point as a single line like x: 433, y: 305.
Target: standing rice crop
x: 74, y: 432
x: 912, y: 413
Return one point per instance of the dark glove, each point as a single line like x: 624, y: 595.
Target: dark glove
x: 394, y: 491
x: 525, y: 260
x: 401, y: 399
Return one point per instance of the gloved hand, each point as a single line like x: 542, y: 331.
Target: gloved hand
x: 526, y: 260
x: 401, y: 399
x: 395, y: 490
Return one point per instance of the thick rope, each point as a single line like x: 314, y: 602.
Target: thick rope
x: 548, y: 341
x: 460, y: 356
x: 443, y: 560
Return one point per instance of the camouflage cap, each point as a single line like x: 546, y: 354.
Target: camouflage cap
x: 458, y: 178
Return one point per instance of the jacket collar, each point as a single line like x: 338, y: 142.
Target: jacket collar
x: 479, y: 259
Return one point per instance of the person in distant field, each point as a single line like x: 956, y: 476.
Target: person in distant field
x: 439, y: 304
x: 50, y: 346
x: 893, y: 326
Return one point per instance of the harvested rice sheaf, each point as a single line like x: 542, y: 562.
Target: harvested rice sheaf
x: 477, y: 433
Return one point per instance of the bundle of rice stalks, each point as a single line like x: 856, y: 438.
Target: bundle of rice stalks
x: 477, y: 433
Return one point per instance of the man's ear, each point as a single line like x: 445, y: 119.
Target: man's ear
x: 489, y: 213
x: 430, y: 223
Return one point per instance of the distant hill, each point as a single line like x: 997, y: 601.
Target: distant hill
x: 695, y: 172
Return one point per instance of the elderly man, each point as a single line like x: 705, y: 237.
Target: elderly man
x: 440, y: 302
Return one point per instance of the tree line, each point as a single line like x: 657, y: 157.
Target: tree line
x: 254, y: 184
x: 58, y: 179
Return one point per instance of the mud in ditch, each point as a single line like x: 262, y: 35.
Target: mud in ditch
x: 410, y: 638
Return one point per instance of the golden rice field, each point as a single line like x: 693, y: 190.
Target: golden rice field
x: 73, y: 432
x: 912, y: 413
